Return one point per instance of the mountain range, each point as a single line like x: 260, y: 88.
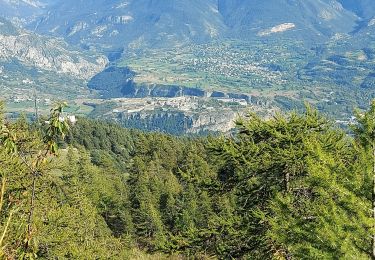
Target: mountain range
x: 311, y: 20
x: 150, y: 23
x: 365, y: 9
x: 31, y: 62
x: 134, y: 23
x: 46, y: 53
x: 23, y: 11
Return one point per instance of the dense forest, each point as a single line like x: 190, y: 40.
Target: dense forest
x: 290, y: 187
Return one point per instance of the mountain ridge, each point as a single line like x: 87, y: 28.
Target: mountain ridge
x: 131, y: 23
x: 46, y: 53
x: 23, y: 12
x: 146, y: 23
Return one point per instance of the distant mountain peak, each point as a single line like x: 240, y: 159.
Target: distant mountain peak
x: 32, y: 3
x: 111, y: 24
x: 130, y: 23
x: 365, y: 9
x: 22, y: 11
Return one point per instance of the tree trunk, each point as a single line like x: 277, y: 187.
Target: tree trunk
x: 31, y: 212
x: 287, y: 180
x: 287, y: 171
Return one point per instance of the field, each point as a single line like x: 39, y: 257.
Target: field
x: 335, y: 77
x: 232, y: 65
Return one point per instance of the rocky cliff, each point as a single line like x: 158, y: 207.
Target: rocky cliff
x: 46, y: 53
x: 117, y: 82
x: 180, y: 123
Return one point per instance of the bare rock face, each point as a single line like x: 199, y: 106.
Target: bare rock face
x: 47, y: 53
x: 219, y: 121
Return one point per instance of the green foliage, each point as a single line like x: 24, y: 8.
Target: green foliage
x: 319, y: 218
x: 296, y: 181
x: 365, y: 129
x: 288, y: 187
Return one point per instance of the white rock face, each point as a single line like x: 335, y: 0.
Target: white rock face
x: 120, y: 19
x: 222, y: 121
x: 28, y: 2
x: 77, y: 27
x: 277, y: 29
x: 122, y: 5
x: 49, y: 54
x: 32, y: 3
x: 336, y: 6
x: 327, y: 15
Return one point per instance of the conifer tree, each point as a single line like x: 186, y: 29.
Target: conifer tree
x: 325, y: 215
x: 265, y: 158
x: 33, y: 152
x: 365, y: 134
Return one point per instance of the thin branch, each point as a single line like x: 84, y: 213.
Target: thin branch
x: 6, y: 228
x: 2, y: 193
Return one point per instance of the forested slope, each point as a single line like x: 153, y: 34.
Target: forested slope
x: 291, y: 187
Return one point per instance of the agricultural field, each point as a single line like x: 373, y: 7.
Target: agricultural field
x: 336, y: 77
x: 232, y: 65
